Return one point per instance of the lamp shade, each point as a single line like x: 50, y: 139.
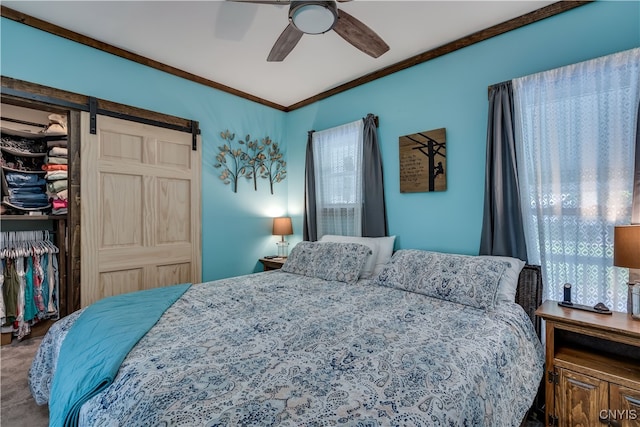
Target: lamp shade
x: 626, y: 246
x: 282, y: 226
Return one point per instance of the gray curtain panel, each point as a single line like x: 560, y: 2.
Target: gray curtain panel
x: 309, y: 229
x: 374, y: 214
x: 502, y: 228
x: 635, y: 207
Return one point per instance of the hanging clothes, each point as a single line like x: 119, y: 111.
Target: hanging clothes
x: 28, y: 280
x: 2, y: 309
x: 30, y: 309
x: 38, y: 277
x: 53, y: 285
x: 10, y: 291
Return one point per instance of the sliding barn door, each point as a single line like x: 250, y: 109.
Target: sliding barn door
x: 140, y: 199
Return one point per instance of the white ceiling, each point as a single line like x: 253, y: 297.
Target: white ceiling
x: 228, y: 42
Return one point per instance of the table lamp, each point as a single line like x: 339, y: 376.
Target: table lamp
x: 282, y: 227
x: 626, y: 253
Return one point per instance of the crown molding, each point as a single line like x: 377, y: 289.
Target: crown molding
x: 479, y: 36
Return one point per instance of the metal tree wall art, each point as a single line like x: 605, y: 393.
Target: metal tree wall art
x: 230, y: 160
x: 273, y: 167
x: 253, y: 161
x: 261, y: 159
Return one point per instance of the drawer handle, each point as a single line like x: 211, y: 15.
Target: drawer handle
x: 632, y: 400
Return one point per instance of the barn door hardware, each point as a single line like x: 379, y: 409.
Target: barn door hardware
x: 195, y: 130
x: 93, y: 111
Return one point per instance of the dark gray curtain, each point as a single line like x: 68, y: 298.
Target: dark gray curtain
x: 635, y: 207
x: 374, y: 214
x: 634, y: 274
x: 502, y: 229
x: 309, y: 229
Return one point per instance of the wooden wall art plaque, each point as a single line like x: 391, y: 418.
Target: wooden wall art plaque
x: 423, y: 161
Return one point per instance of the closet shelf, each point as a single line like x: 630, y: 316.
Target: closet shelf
x: 25, y: 133
x: 31, y: 217
x: 8, y: 169
x: 21, y: 153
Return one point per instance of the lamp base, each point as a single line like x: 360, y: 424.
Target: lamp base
x: 283, y: 249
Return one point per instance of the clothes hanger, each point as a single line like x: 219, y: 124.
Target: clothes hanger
x: 3, y: 244
x: 51, y: 248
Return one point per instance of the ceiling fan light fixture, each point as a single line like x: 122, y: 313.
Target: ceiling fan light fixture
x: 313, y: 17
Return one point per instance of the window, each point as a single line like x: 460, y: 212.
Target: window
x: 575, y: 132
x: 337, y: 154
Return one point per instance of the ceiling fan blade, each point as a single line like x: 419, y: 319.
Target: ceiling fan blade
x: 359, y: 35
x: 263, y: 1
x: 233, y: 22
x: 285, y: 43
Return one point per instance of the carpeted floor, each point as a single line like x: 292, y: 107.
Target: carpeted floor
x: 17, y: 407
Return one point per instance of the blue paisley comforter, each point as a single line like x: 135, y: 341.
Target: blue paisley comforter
x: 276, y: 348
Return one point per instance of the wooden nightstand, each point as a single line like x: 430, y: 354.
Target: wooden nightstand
x: 272, y: 263
x: 592, y: 367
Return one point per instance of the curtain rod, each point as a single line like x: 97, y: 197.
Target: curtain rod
x: 375, y: 119
x: 490, y: 87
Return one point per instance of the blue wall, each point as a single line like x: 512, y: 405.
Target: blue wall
x: 451, y: 92
x: 235, y: 227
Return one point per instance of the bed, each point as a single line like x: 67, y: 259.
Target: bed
x: 423, y: 341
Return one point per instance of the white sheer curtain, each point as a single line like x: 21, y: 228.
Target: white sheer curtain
x: 575, y: 144
x: 338, y: 172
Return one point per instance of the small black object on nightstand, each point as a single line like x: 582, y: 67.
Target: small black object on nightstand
x: 600, y: 307
x: 567, y: 294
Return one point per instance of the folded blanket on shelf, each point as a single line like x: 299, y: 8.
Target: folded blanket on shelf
x: 58, y: 151
x: 18, y: 179
x: 27, y: 190
x: 56, y: 175
x: 56, y: 186
x: 50, y: 167
x: 59, y: 204
x: 55, y: 160
x: 62, y: 195
x: 57, y: 143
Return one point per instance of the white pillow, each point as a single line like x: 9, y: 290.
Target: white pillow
x: 381, y: 251
x: 508, y: 284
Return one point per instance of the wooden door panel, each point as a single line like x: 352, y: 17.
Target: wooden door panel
x: 127, y: 258
x: 173, y: 273
x: 173, y: 155
x: 121, y: 210
x: 140, y: 208
x: 625, y: 405
x: 582, y: 399
x: 121, y: 147
x: 173, y: 201
x: 118, y: 282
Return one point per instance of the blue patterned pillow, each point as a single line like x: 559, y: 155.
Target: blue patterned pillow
x: 327, y: 260
x: 463, y: 279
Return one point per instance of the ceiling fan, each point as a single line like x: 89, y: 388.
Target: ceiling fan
x: 318, y: 17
